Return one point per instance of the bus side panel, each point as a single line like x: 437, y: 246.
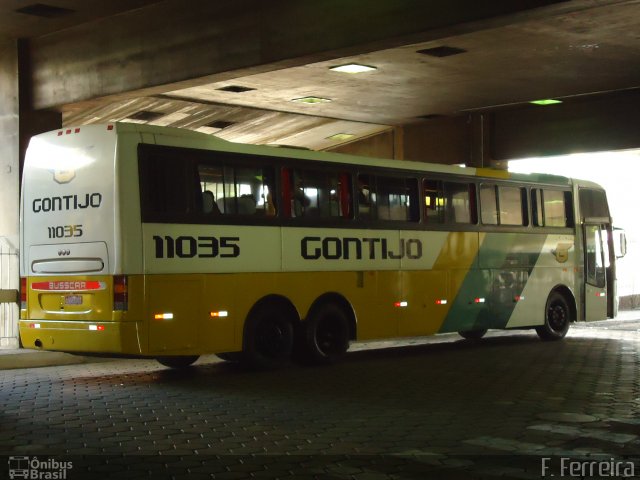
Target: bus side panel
x: 486, y: 296
x: 429, y: 292
x: 556, y: 265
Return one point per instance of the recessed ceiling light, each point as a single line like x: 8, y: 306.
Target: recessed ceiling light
x: 352, y: 68
x: 341, y: 136
x: 46, y: 11
x: 547, y: 101
x: 442, y: 51
x: 144, y: 116
x: 311, y: 100
x: 235, y: 89
x: 220, y: 124
x: 430, y: 116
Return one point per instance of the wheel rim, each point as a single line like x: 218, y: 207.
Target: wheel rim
x: 272, y: 339
x: 330, y: 335
x: 557, y: 316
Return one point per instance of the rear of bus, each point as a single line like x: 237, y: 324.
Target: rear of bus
x: 72, y: 298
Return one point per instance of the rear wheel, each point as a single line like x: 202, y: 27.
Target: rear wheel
x: 183, y: 361
x: 230, y: 356
x: 326, y: 334
x: 557, y: 318
x: 268, y: 337
x: 473, y: 334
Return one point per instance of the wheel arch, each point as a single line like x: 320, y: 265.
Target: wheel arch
x: 343, y: 303
x: 275, y: 301
x: 567, y: 293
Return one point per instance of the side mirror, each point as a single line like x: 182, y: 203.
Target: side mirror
x: 619, y: 242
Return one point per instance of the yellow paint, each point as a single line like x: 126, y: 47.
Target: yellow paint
x: 492, y: 173
x: 75, y: 336
x: 190, y: 299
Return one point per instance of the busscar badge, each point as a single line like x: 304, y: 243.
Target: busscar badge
x: 63, y: 176
x: 561, y: 252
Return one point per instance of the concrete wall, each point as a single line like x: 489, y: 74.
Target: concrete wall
x: 9, y: 192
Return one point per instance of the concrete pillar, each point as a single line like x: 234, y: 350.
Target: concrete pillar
x: 444, y: 140
x: 9, y: 193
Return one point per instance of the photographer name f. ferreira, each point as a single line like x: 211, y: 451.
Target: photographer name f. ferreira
x: 572, y: 468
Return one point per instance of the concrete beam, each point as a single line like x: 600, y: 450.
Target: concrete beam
x: 174, y: 42
x: 588, y: 124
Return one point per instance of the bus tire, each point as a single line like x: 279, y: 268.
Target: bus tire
x: 473, y: 334
x: 557, y: 318
x: 230, y: 356
x: 268, y: 337
x: 178, y: 362
x: 326, y: 334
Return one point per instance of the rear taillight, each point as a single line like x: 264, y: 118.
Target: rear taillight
x: 23, y: 293
x: 120, y: 293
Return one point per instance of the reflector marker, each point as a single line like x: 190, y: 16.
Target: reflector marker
x: 34, y: 325
x: 601, y: 294
x: 163, y: 316
x: 518, y: 298
x: 441, y: 301
x: 221, y: 313
x: 96, y: 328
x: 401, y: 304
x: 478, y: 300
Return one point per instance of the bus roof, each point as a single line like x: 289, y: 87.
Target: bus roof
x: 201, y: 140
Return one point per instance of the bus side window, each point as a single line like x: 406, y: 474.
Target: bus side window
x: 168, y: 188
x: 434, y: 202
x: 537, y: 209
x: 316, y: 193
x: 397, y: 199
x: 511, y: 203
x: 344, y: 195
x: 488, y: 204
x: 209, y: 205
x: 449, y: 202
x: 459, y: 201
x: 366, y: 197
x: 554, y: 208
x: 236, y: 190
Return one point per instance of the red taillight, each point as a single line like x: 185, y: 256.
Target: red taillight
x: 23, y: 293
x: 120, y: 293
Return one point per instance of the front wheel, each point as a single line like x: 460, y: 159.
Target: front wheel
x: 473, y: 334
x: 183, y: 361
x: 557, y: 318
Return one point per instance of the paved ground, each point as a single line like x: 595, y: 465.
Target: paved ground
x: 436, y: 408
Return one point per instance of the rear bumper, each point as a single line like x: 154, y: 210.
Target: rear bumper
x: 82, y: 336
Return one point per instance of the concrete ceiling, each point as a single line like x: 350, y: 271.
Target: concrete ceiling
x: 574, y: 48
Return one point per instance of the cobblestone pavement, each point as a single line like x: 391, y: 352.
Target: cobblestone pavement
x: 429, y: 408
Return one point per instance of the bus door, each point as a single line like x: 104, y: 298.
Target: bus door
x: 599, y: 276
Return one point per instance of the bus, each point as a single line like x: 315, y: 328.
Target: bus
x: 154, y: 242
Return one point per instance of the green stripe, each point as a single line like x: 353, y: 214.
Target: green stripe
x: 504, y: 264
